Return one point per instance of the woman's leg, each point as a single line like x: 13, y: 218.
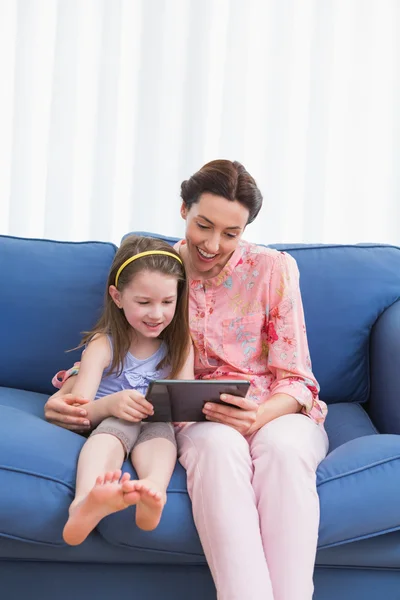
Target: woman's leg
x: 154, y: 459
x: 98, y: 482
x: 219, y: 474
x: 286, y: 454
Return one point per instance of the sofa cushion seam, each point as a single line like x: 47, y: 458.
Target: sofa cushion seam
x: 359, y: 470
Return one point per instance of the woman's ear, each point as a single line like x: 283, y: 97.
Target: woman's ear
x: 184, y: 210
x: 115, y: 295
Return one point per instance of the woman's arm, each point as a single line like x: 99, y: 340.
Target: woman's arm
x: 288, y: 353
x: 294, y: 388
x: 276, y: 406
x: 73, y: 406
x: 67, y: 410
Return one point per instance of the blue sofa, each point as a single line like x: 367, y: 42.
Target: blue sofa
x: 52, y: 291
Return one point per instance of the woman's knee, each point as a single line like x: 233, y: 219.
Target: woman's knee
x: 212, y: 441
x: 292, y: 438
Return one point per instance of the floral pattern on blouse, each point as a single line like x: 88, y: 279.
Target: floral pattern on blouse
x: 248, y: 323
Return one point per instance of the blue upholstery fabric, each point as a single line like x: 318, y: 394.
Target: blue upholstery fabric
x: 345, y: 422
x: 385, y: 353
x: 358, y: 487
x: 361, y: 464
x: 47, y: 477
x: 41, y: 581
x: 378, y: 552
x: 348, y: 292
x: 51, y: 292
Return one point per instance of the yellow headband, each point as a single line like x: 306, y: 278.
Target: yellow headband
x: 148, y: 253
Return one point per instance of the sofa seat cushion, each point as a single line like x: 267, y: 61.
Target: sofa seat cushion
x: 37, y: 480
x: 37, y: 476
x: 358, y: 487
x: 29, y: 402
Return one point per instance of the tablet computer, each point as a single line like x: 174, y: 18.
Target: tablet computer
x: 183, y: 400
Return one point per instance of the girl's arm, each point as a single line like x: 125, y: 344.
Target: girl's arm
x: 187, y: 371
x: 95, y: 359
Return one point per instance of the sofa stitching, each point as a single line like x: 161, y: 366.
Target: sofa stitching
x: 38, y: 475
x: 60, y: 242
x: 119, y: 545
x: 360, y: 469
x: 68, y: 485
x: 360, y: 537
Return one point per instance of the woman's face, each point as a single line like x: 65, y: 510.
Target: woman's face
x: 214, y: 226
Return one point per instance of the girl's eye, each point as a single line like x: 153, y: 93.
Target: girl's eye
x: 231, y: 235
x: 168, y: 301
x: 142, y: 303
x: 202, y: 226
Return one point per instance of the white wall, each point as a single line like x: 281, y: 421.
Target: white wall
x: 107, y: 105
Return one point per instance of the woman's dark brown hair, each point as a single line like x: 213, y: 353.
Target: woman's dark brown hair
x: 113, y: 321
x: 224, y: 178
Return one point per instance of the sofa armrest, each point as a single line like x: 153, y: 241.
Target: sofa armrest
x: 384, y: 405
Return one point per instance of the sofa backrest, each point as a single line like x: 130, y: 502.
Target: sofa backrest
x: 345, y: 289
x: 53, y: 291
x: 50, y: 293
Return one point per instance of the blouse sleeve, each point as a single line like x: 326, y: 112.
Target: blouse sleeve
x: 288, y: 355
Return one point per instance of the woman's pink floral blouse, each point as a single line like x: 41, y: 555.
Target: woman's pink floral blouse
x: 248, y: 323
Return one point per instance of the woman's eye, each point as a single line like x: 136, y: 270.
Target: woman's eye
x: 142, y: 303
x: 202, y: 226
x: 231, y: 235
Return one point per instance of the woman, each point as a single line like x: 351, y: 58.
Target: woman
x: 251, y: 470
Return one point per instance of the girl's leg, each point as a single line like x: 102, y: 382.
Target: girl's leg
x: 286, y: 454
x: 219, y: 475
x: 98, y: 482
x: 154, y: 459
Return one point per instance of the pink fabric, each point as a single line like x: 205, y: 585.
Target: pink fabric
x: 248, y: 323
x: 254, y: 499
x: 255, y: 505
x: 61, y: 377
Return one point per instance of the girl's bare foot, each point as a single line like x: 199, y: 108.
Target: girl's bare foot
x: 104, y: 498
x: 149, y: 505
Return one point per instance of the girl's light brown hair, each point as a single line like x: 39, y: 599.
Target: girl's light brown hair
x: 113, y: 321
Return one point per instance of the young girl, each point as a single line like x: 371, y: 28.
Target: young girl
x: 143, y: 334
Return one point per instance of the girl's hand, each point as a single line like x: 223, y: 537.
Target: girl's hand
x: 242, y: 418
x: 67, y: 411
x: 129, y: 405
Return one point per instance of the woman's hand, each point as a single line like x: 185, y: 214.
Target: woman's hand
x: 67, y: 411
x: 242, y: 418
x: 129, y: 405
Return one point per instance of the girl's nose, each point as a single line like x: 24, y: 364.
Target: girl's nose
x: 155, y: 312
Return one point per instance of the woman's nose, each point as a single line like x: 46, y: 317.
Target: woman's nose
x: 212, y: 244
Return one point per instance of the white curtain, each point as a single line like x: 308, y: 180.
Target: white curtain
x: 107, y: 105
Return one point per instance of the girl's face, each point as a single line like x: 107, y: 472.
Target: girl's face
x: 214, y: 226
x: 148, y: 302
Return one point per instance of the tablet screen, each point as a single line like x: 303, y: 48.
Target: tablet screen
x: 181, y: 400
